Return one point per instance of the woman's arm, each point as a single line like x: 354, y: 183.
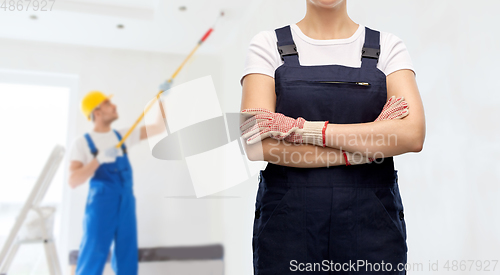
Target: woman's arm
x: 387, y: 137
x: 258, y: 92
x: 294, y: 155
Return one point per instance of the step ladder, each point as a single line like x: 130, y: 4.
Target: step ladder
x: 34, y: 224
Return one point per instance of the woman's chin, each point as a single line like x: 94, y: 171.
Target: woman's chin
x: 328, y: 4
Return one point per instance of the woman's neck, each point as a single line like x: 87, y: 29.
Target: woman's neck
x: 327, y: 23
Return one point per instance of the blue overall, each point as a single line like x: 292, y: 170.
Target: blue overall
x: 340, y: 214
x: 109, y: 216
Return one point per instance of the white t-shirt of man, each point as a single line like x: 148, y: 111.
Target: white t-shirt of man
x: 263, y: 57
x: 80, y: 150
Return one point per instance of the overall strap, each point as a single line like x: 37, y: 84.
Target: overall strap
x: 286, y: 46
x: 91, y: 144
x: 120, y: 138
x: 371, y: 48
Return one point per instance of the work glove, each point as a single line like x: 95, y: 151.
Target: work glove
x: 108, y: 156
x: 165, y: 87
x: 394, y: 108
x: 264, y: 124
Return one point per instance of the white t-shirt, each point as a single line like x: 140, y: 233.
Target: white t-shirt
x: 80, y: 149
x: 263, y: 56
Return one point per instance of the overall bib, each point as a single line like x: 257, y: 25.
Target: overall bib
x: 341, y: 214
x: 109, y: 215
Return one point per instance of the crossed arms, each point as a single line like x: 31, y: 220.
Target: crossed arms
x: 258, y: 92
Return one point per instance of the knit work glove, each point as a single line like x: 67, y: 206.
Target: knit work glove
x: 165, y: 87
x: 394, y: 108
x: 108, y: 156
x: 264, y: 124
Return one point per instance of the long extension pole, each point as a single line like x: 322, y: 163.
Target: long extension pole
x: 205, y: 36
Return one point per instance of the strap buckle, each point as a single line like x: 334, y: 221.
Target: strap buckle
x: 370, y: 53
x: 287, y: 50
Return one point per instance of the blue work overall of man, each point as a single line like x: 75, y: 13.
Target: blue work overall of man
x: 110, y: 208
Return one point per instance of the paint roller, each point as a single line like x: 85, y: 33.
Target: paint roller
x: 169, y: 81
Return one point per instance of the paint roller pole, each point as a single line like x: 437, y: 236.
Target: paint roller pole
x: 205, y: 36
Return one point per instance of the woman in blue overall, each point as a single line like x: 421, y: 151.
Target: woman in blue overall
x: 335, y: 218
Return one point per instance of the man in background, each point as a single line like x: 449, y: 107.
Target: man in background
x: 110, y: 208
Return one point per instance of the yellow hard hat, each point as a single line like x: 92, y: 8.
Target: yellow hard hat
x: 91, y: 101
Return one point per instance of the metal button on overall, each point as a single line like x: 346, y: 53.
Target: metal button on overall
x: 336, y: 213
